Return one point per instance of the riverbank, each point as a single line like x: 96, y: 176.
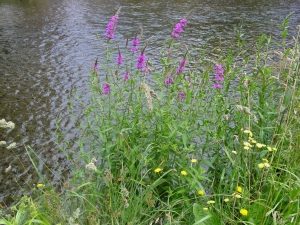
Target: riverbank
x: 196, y: 139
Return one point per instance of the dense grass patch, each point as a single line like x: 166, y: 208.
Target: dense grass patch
x: 191, y: 140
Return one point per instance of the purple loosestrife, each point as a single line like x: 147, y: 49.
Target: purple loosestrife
x: 106, y: 89
x: 126, y: 77
x: 181, y: 66
x: 111, y: 27
x: 169, y: 80
x: 120, y: 58
x: 179, y: 28
x: 219, y: 76
x: 182, y: 95
x: 135, y: 43
x: 141, y: 61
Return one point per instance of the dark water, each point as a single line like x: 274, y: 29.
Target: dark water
x: 47, y: 48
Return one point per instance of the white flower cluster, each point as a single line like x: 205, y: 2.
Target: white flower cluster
x: 9, y: 124
x: 91, y: 165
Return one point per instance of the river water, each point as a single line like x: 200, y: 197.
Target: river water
x: 47, y: 48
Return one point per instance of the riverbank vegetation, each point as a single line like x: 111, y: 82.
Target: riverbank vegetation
x: 188, y: 139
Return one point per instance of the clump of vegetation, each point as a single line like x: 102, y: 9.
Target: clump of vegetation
x: 194, y: 140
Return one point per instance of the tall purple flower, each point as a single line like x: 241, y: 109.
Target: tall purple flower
x: 181, y: 66
x: 126, y: 77
x: 219, y: 76
x: 119, y: 59
x: 135, y: 43
x: 111, y: 27
x: 141, y: 61
x: 183, y: 22
x: 169, y: 80
x: 182, y: 95
x: 106, y: 89
x: 179, y: 28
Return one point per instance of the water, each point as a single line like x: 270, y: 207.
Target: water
x: 47, y: 48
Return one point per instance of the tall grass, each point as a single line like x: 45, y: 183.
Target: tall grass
x: 176, y: 143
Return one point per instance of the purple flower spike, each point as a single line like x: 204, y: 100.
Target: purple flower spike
x: 218, y: 86
x: 179, y: 28
x: 111, y: 27
x: 119, y: 59
x: 181, y: 66
x: 106, y: 89
x: 183, y: 22
x: 182, y: 95
x: 169, y: 80
x: 135, y: 43
x: 126, y: 77
x: 219, y: 77
x: 141, y: 61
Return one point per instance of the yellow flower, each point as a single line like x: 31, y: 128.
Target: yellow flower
x: 269, y: 148
x: 265, y: 160
x: 266, y: 164
x: 157, y: 170
x: 259, y: 145
x: 40, y: 185
x: 194, y: 160
x: 211, y: 202
x: 246, y: 147
x: 234, y: 152
x: 183, y: 172
x: 200, y: 192
x: 226, y: 200
x: 248, y: 132
x: 244, y: 212
x: 235, y: 195
x: 247, y: 144
x: 205, y: 208
x: 274, y: 149
x: 239, y: 189
x: 261, y: 165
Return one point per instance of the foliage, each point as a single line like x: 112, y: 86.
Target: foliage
x: 192, y: 140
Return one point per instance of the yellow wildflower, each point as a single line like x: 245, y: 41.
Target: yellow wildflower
x: 261, y: 165
x: 244, y: 212
x: 247, y: 144
x: 40, y: 185
x: 183, y: 172
x: 239, y: 189
x: 274, y: 149
x: 246, y: 147
x: 269, y: 148
x: 194, y: 160
x: 259, y: 145
x: 205, y: 208
x: 265, y: 160
x: 226, y: 200
x: 200, y: 192
x: 266, y: 164
x: 248, y: 132
x: 157, y: 170
x: 235, y: 195
x: 211, y: 202
x: 234, y: 152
